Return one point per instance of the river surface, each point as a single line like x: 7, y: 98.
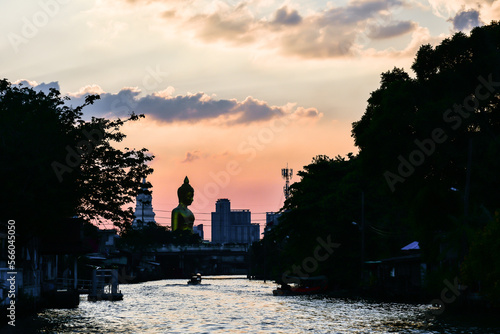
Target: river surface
x: 229, y: 305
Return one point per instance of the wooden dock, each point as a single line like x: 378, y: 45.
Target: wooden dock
x: 102, y: 286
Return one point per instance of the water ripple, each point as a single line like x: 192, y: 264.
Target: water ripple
x: 234, y: 306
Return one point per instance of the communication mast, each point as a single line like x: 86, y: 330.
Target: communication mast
x: 287, y: 174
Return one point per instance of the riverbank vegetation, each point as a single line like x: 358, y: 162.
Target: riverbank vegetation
x: 426, y: 171
x: 56, y: 164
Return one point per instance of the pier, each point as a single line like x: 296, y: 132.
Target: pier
x: 102, y: 286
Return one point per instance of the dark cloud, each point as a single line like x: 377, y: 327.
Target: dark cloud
x: 333, y: 32
x: 110, y: 105
x: 252, y: 110
x: 357, y: 11
x: 43, y: 87
x: 466, y: 20
x: 283, y: 16
x: 191, y: 156
x: 190, y: 108
x: 391, y: 30
x: 185, y: 108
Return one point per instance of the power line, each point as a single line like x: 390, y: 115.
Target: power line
x: 209, y: 213
x: 206, y: 219
x: 210, y: 221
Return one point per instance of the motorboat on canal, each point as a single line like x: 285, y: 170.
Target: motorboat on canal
x: 195, y: 279
x: 302, y: 286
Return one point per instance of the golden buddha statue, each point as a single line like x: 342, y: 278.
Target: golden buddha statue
x: 182, y: 217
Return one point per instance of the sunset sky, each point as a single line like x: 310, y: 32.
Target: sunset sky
x: 232, y: 90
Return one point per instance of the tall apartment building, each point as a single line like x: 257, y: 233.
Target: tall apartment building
x: 198, y: 229
x: 232, y: 226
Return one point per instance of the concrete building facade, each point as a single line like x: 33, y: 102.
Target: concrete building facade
x: 232, y: 226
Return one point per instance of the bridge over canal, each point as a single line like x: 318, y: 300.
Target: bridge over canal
x: 208, y: 259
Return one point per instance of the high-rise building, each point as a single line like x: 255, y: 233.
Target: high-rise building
x: 143, y: 208
x: 198, y: 229
x: 232, y: 226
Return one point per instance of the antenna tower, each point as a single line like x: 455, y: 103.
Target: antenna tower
x: 287, y: 174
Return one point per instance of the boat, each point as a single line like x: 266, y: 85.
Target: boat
x: 195, y: 279
x: 302, y: 286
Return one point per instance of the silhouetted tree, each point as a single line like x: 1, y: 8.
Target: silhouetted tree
x: 429, y: 155
x: 57, y: 165
x: 431, y: 143
x: 320, y: 206
x: 481, y: 268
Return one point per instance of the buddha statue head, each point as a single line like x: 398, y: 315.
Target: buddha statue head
x: 185, y: 193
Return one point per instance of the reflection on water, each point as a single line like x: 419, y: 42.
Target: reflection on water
x: 234, y: 306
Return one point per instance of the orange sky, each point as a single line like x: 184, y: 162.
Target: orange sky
x: 233, y: 90
x: 239, y: 162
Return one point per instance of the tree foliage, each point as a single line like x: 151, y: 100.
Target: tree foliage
x: 153, y: 236
x: 428, y: 161
x: 432, y: 141
x: 481, y: 269
x: 55, y: 164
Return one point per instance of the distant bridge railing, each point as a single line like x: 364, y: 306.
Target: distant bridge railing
x: 203, y: 247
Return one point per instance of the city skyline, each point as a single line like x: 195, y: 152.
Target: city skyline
x: 232, y: 226
x: 145, y: 214
x: 204, y: 218
x: 232, y: 90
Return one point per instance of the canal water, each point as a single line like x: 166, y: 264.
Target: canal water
x: 229, y: 305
